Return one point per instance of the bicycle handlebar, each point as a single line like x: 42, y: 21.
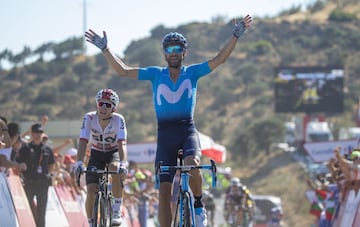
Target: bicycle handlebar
x: 100, y: 171
x: 185, y: 168
x: 95, y: 171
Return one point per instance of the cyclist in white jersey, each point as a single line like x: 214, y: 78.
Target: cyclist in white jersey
x: 106, y: 132
x: 174, y: 98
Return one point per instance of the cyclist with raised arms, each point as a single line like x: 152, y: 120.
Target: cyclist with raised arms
x: 106, y: 130
x: 174, y: 98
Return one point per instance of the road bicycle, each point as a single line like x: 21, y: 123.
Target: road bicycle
x: 102, y: 211
x: 240, y: 213
x: 185, y: 212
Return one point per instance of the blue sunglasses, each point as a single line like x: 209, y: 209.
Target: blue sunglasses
x: 176, y: 49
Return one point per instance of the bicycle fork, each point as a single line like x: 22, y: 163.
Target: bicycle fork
x: 188, y: 202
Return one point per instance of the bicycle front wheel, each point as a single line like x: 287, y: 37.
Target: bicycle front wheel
x: 185, y: 213
x: 105, y: 211
x: 96, y: 210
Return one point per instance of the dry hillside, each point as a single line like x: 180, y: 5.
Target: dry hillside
x: 320, y: 16
x: 280, y: 175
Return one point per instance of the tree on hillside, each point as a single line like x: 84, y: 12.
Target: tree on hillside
x: 266, y: 132
x: 247, y: 74
x: 256, y: 138
x: 68, y: 48
x: 4, y: 55
x: 43, y: 49
x: 243, y: 147
x: 21, y: 57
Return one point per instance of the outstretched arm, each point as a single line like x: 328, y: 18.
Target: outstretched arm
x: 343, y: 163
x: 238, y: 30
x: 57, y: 149
x: 116, y: 63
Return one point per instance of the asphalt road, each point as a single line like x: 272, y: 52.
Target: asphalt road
x: 218, y: 219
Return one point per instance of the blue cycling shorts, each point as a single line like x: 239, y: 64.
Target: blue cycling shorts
x: 173, y: 136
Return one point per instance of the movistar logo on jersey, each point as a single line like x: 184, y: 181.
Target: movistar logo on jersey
x: 173, y: 96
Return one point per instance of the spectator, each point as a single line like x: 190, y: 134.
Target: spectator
x: 57, y: 149
x: 40, y: 161
x: 10, y: 133
x: 44, y: 120
x: 276, y: 215
x: 4, y: 135
x: 69, y: 165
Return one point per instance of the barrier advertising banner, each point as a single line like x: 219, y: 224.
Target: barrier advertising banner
x: 323, y: 151
x: 22, y: 207
x: 54, y: 210
x: 71, y: 207
x: 7, y: 210
x: 141, y: 152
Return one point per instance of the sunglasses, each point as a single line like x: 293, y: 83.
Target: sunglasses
x: 176, y: 49
x: 107, y: 105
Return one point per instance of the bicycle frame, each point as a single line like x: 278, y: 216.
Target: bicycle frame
x: 239, y: 213
x: 104, y: 198
x: 185, y: 203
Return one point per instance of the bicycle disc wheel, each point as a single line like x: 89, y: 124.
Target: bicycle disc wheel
x: 96, y: 210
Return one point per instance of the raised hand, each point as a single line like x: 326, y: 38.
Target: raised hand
x: 44, y: 120
x: 239, y: 28
x: 22, y: 167
x: 100, y: 42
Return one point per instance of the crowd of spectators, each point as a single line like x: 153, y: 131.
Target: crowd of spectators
x: 329, y: 191
x: 139, y: 186
x: 139, y: 190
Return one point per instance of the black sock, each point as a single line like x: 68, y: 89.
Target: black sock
x: 198, y: 203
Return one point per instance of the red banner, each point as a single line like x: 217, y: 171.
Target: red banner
x: 22, y: 207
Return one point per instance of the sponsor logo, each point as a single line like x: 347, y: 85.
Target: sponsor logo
x: 173, y: 97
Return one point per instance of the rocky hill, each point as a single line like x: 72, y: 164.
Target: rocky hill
x: 232, y: 99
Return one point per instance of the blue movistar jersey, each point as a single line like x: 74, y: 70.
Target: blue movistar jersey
x: 174, y: 101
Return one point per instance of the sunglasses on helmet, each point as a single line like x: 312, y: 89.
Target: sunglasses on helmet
x: 107, y: 105
x: 176, y: 49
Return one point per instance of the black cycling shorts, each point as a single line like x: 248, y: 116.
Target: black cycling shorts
x: 99, y: 159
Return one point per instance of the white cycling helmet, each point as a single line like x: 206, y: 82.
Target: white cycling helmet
x: 108, y: 94
x: 235, y: 181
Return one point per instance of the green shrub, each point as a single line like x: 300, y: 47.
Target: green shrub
x: 341, y: 16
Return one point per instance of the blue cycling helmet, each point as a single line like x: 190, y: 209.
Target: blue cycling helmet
x: 174, y: 38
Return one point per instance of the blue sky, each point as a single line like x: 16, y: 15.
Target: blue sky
x: 35, y: 22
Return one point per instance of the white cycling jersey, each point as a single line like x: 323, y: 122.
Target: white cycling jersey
x: 103, y: 140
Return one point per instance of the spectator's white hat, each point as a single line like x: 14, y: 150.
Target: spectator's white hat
x: 71, y: 152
